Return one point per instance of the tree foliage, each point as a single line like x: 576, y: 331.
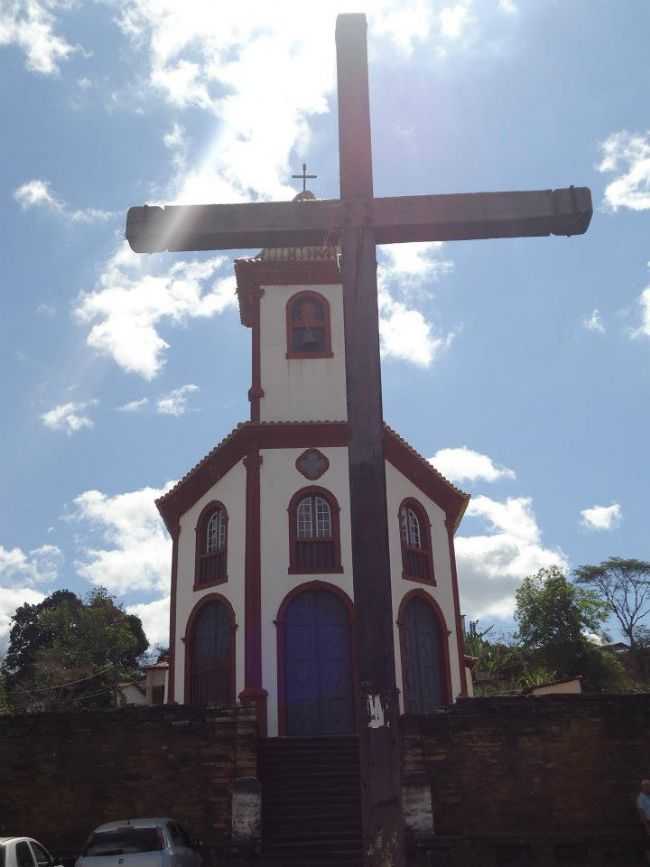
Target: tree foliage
x: 624, y: 587
x: 65, y: 652
x: 555, y: 619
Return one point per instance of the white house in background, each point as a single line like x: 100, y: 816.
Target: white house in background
x: 150, y: 689
x: 262, y: 598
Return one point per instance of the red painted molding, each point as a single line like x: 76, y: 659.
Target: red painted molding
x: 247, y: 436
x: 296, y: 568
x: 327, y: 325
x: 460, y: 639
x: 256, y: 392
x: 312, y: 476
x: 171, y: 685
x: 425, y: 476
x: 426, y: 549
x: 445, y: 670
x: 251, y: 274
x: 189, y: 629
x: 253, y: 576
x: 259, y: 698
x: 304, y: 434
x: 201, y: 526
x: 281, y: 641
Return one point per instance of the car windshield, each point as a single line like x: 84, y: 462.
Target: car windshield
x: 124, y: 841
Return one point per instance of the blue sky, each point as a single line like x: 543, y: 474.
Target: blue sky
x: 521, y: 366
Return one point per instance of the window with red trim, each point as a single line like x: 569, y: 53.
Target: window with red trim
x: 211, y: 546
x: 314, y: 534
x: 415, y: 537
x: 308, y: 326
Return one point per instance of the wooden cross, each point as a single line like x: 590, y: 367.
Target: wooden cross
x: 359, y: 222
x: 303, y: 177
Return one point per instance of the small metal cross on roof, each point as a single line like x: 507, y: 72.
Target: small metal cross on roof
x: 304, y: 176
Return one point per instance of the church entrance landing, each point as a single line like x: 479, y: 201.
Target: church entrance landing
x: 315, y: 661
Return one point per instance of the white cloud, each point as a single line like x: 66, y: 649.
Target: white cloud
x: 30, y: 24
x: 155, y: 620
x: 627, y: 154
x: 413, y: 263
x: 135, y: 550
x: 455, y: 20
x: 129, y: 303
x: 508, y: 6
x: 175, y: 403
x: 46, y: 310
x: 36, y: 194
x: 133, y: 405
x: 233, y: 60
x: 594, y: 322
x: 492, y: 565
x: 644, y: 301
x: 463, y: 464
x: 12, y: 598
x: 68, y: 417
x: 602, y: 517
x: 39, y: 566
x: 405, y: 332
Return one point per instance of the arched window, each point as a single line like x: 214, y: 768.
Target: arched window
x: 415, y: 536
x: 314, y: 537
x: 308, y: 326
x: 211, y: 546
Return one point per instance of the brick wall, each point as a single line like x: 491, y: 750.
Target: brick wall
x: 564, y: 766
x: 64, y: 774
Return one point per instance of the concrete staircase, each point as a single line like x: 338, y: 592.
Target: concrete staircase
x: 311, y: 811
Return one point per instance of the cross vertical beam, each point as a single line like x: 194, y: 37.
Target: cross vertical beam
x: 378, y: 710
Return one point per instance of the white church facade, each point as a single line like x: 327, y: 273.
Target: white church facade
x: 262, y: 597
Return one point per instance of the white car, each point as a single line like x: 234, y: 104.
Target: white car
x: 24, y: 852
x: 139, y: 843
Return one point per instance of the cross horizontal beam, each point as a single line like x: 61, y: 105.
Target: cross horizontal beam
x: 464, y: 216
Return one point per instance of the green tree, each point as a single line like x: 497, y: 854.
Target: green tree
x: 65, y: 652
x: 624, y: 587
x: 554, y: 618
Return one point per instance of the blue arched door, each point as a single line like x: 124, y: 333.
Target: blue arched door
x: 317, y: 666
x: 424, y: 660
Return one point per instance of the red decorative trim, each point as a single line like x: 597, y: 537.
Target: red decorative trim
x: 201, y: 526
x: 281, y: 636
x: 425, y: 538
x: 304, y: 456
x: 424, y: 476
x: 445, y: 671
x: 172, y: 617
x: 460, y: 638
x: 253, y: 273
x: 253, y: 577
x: 327, y: 351
x: 259, y: 698
x: 296, y: 568
x: 256, y: 392
x: 265, y: 435
x: 189, y: 629
x: 296, y: 434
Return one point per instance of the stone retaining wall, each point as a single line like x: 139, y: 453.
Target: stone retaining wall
x: 64, y: 774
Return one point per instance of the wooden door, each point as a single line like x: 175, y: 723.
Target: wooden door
x: 318, y: 672
x: 424, y: 659
x: 211, y: 656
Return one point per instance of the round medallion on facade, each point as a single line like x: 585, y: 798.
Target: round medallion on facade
x: 312, y: 464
